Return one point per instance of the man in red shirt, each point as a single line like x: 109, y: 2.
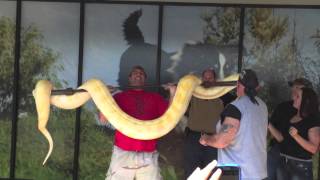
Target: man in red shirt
x: 134, y: 158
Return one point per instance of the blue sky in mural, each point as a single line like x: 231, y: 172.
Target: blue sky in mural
x: 59, y: 24
x: 104, y: 40
x: 7, y: 8
x: 190, y: 29
x: 307, y: 21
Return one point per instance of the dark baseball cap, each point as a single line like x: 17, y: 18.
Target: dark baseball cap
x: 249, y: 79
x: 301, y: 81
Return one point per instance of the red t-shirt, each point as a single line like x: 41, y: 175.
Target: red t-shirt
x: 141, y: 105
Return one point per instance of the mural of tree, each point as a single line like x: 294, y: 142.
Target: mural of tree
x: 275, y: 58
x: 218, y: 47
x: 221, y: 26
x: 37, y: 60
x: 265, y: 29
x: 7, y: 32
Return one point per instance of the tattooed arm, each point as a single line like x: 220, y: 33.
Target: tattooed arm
x: 225, y: 136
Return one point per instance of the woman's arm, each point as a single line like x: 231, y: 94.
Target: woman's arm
x: 275, y: 132
x: 314, y: 138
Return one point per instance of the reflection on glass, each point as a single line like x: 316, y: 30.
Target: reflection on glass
x: 49, y: 50
x: 193, y: 39
x: 283, y: 44
x: 281, y: 48
x: 117, y: 37
x: 7, y: 44
x: 208, y: 37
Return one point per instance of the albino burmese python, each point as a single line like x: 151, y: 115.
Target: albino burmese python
x: 132, y: 127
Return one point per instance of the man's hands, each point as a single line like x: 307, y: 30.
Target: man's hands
x: 203, y: 174
x: 171, y: 88
x: 204, y: 139
x: 112, y: 89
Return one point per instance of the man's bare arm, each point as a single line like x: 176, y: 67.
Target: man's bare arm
x: 225, y: 135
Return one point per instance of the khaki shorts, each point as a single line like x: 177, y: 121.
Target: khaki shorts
x: 129, y: 165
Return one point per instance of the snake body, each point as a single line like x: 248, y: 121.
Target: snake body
x: 132, y: 127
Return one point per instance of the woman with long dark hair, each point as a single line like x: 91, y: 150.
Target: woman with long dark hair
x: 299, y: 141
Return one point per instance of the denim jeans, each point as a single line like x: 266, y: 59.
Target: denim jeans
x: 195, y: 154
x: 273, y: 161
x: 291, y: 169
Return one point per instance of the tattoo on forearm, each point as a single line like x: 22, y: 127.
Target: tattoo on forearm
x: 225, y: 128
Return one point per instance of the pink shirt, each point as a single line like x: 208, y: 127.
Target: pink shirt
x: 141, y: 105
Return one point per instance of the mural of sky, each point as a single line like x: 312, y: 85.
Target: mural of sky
x: 190, y: 30
x: 105, y: 41
x: 289, y: 53
x: 8, y: 8
x: 59, y: 24
x: 306, y: 23
x: 197, y: 38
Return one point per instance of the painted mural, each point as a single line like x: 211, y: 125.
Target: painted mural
x: 7, y: 31
x: 277, y: 45
x: 46, y: 49
x: 282, y: 44
x: 208, y: 37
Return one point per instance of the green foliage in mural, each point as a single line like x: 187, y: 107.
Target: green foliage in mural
x: 37, y: 62
x: 7, y: 34
x: 95, y: 147
x: 221, y: 26
x: 266, y: 30
x: 32, y: 147
x: 5, y: 138
x: 276, y: 59
x: 282, y: 59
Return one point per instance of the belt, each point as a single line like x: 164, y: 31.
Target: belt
x: 287, y: 157
x: 189, y: 131
x: 135, y: 167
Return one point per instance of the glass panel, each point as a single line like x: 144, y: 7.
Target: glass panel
x: 195, y: 38
x: 280, y: 48
x: 117, y: 37
x: 7, y: 45
x: 49, y: 50
x: 283, y: 44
